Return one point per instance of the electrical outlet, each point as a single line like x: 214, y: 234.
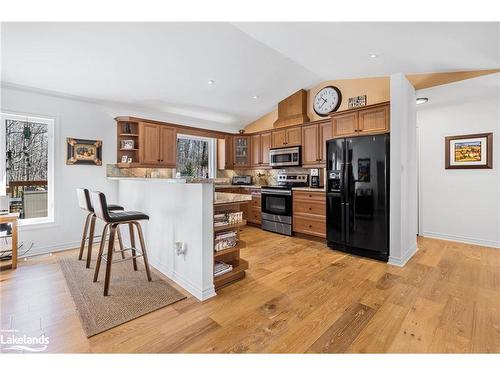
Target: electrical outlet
x: 180, y: 247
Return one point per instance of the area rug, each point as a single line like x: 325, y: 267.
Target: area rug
x: 130, y: 294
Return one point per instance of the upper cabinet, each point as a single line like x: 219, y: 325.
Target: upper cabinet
x: 314, y: 137
x: 157, y: 145
x: 241, y: 152
x: 256, y: 153
x: 286, y: 137
x: 373, y: 120
x: 265, y: 146
x: 310, y: 149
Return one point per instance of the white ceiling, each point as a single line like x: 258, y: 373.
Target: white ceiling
x: 487, y: 86
x: 164, y: 67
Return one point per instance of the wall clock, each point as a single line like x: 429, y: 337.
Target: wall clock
x: 327, y: 100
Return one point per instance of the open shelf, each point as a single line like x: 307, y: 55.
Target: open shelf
x: 129, y: 149
x: 230, y: 226
x: 128, y: 135
x: 236, y: 273
x: 240, y: 245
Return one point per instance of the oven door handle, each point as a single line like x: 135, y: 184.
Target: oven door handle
x: 276, y: 192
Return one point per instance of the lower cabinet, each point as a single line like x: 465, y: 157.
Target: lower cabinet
x: 309, y: 213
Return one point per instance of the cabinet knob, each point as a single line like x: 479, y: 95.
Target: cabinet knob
x: 310, y: 226
x: 310, y: 208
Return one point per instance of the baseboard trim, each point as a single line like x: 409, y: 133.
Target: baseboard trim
x: 462, y: 239
x: 200, y: 294
x: 44, y: 250
x: 400, y: 262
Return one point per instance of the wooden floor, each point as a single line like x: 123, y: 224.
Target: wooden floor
x: 298, y: 296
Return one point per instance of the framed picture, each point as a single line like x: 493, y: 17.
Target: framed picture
x: 83, y: 151
x: 124, y: 159
x: 127, y: 144
x: 470, y: 151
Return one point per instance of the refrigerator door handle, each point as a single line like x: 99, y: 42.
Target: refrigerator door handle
x: 342, y: 209
x: 347, y: 226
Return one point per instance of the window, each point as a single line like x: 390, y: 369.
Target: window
x: 27, y: 166
x: 195, y: 156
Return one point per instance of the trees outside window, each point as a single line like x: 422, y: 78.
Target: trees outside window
x: 194, y: 156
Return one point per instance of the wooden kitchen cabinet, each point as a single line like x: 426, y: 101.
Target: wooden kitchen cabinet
x: 345, y: 125
x: 157, y: 145
x: 325, y: 133
x: 265, y: 146
x: 314, y: 139
x: 149, y: 146
x: 374, y: 120
x: 309, y: 212
x: 168, y: 146
x: 241, y: 152
x: 286, y: 137
x: 256, y: 150
x: 310, y: 143
x: 228, y: 152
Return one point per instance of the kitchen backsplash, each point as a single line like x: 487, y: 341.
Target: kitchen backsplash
x: 260, y: 176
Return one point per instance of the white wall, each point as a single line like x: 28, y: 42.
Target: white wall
x: 461, y: 204
x: 75, y: 119
x: 403, y: 172
x: 177, y: 212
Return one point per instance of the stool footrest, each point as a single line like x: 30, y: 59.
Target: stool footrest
x: 105, y: 258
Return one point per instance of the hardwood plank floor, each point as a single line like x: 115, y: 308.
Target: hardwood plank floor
x: 298, y: 296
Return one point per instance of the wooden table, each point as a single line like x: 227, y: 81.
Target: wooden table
x: 11, y: 218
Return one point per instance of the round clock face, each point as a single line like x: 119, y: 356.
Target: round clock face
x: 327, y: 100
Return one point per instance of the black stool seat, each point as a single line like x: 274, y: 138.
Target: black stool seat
x: 115, y: 207
x: 117, y: 217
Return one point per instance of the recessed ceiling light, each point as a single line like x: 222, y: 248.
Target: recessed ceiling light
x: 422, y: 100
x: 255, y: 97
x: 211, y: 82
x: 373, y: 55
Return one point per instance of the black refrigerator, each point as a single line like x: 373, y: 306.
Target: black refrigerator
x: 357, y: 209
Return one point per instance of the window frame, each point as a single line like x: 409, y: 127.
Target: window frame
x: 212, y: 151
x: 50, y: 122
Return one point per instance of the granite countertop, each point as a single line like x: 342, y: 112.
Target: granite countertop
x: 228, y: 186
x: 174, y: 180
x: 222, y: 198
x: 306, y: 188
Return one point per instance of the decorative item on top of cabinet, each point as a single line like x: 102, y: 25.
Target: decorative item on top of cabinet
x: 286, y: 137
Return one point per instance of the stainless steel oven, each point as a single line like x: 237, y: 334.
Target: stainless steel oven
x: 277, y: 209
x: 285, y: 157
x: 276, y: 206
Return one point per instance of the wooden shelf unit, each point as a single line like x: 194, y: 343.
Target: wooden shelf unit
x: 122, y: 134
x: 232, y: 254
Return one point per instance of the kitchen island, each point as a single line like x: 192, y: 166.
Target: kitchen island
x: 180, y: 232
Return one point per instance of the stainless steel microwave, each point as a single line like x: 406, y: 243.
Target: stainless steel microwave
x: 285, y: 157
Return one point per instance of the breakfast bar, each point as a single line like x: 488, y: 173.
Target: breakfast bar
x: 180, y: 233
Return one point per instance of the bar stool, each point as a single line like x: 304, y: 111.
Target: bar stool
x: 113, y: 220
x: 85, y: 204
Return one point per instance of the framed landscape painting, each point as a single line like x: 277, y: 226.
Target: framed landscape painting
x: 471, y: 151
x: 84, y: 151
